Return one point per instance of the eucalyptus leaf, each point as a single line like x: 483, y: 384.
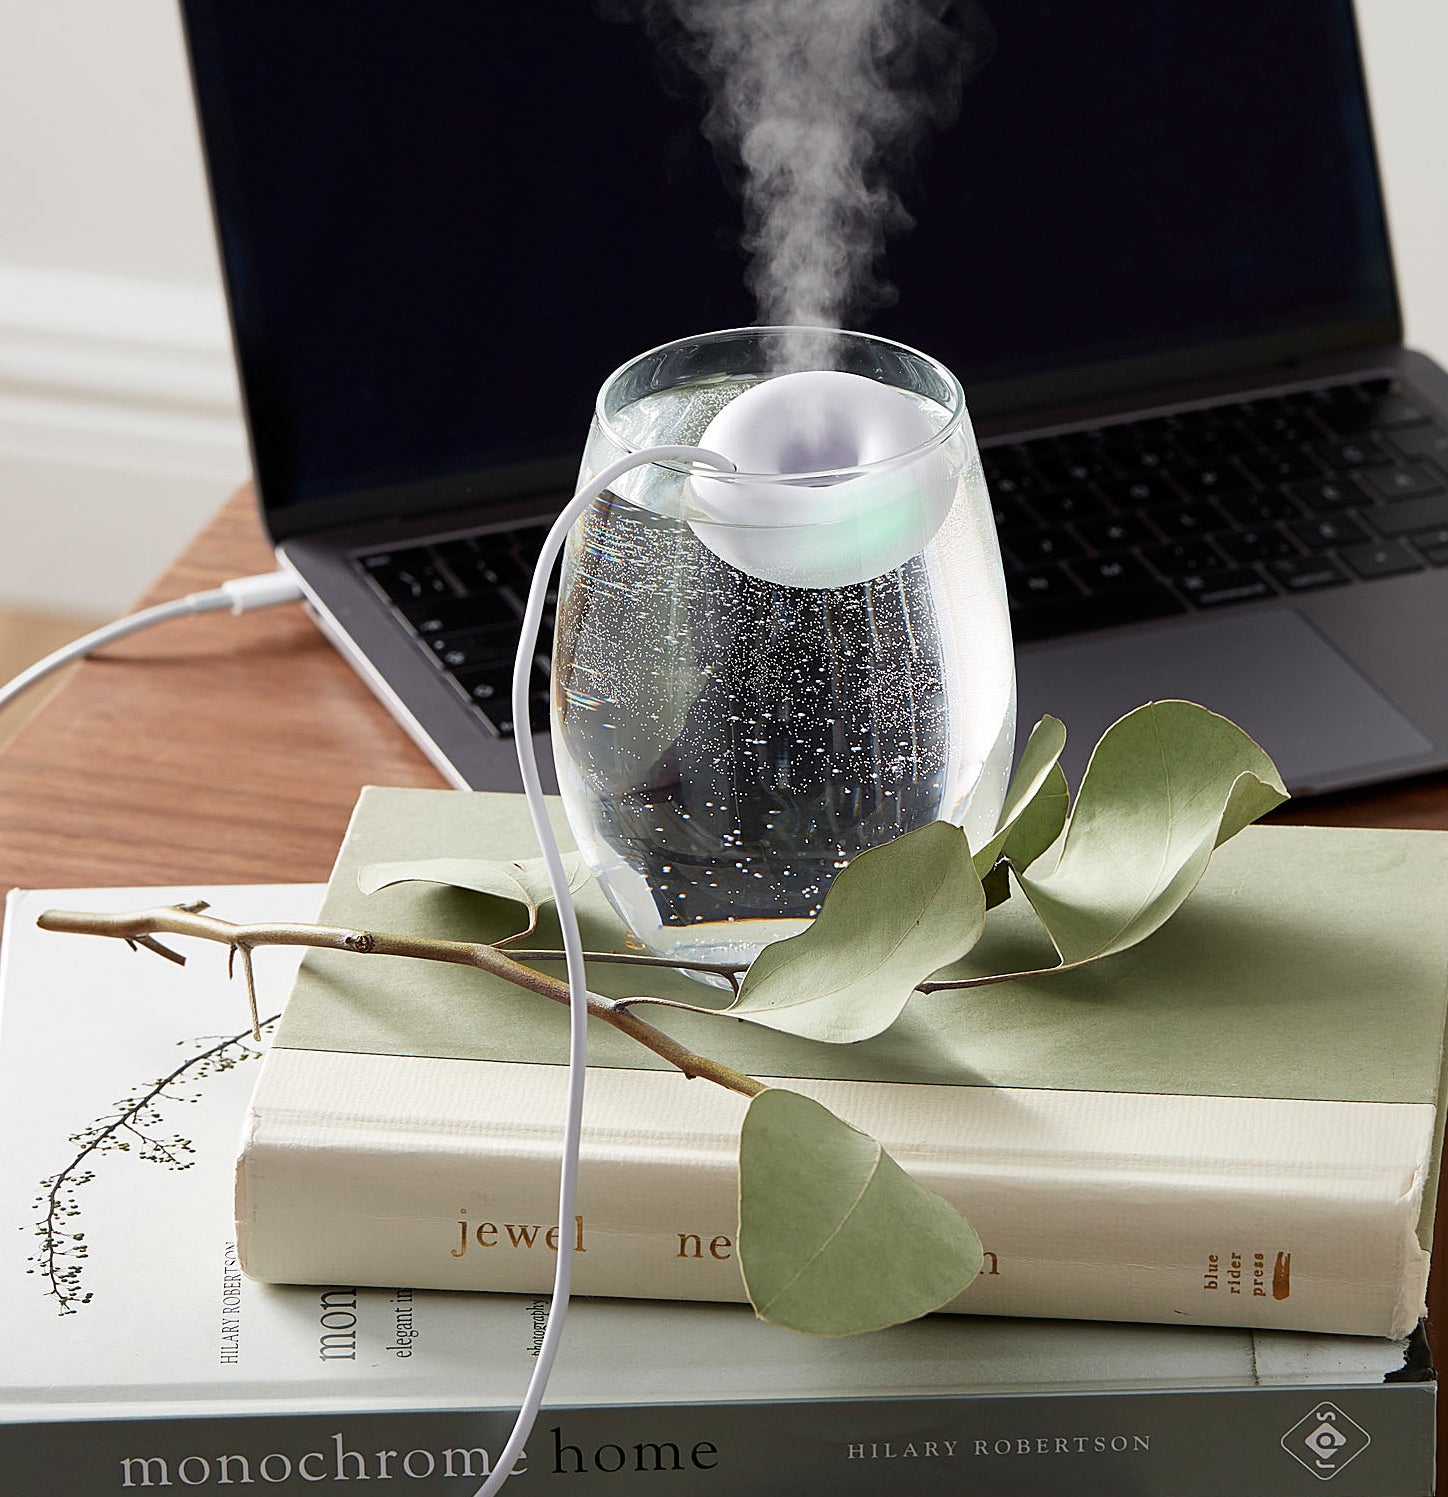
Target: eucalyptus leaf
x: 524, y: 881
x: 1166, y: 785
x: 1035, y: 830
x: 1041, y: 822
x: 898, y: 913
x: 1033, y: 777
x: 834, y: 1237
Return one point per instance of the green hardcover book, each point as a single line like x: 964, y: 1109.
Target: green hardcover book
x: 139, y: 1357
x: 1235, y: 1123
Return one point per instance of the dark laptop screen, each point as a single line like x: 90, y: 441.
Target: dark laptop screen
x: 444, y: 223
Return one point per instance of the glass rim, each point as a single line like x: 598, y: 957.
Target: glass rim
x: 958, y: 414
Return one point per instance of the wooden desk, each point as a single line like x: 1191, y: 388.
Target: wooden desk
x: 213, y: 749
x: 221, y: 750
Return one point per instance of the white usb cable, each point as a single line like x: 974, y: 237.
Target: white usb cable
x: 568, y: 921
x: 239, y: 595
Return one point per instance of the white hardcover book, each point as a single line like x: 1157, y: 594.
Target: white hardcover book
x: 139, y: 1356
x: 1235, y: 1123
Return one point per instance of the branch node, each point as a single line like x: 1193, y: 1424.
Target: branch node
x: 240, y: 948
x: 152, y: 944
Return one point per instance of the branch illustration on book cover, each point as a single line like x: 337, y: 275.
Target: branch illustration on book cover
x: 135, y: 1127
x: 833, y: 1236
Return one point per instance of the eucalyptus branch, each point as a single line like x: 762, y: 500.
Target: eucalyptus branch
x: 141, y: 927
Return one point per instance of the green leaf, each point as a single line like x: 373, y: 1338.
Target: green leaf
x: 1036, y: 828
x: 898, y: 913
x: 1032, y: 779
x: 523, y: 882
x: 834, y: 1237
x: 1040, y: 823
x: 1166, y: 785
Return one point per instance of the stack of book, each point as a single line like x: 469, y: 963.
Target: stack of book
x: 1235, y: 1125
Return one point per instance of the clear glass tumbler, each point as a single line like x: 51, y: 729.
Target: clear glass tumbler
x: 726, y: 740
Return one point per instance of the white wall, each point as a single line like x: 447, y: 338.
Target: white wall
x: 119, y: 417
x: 1405, y: 43
x: 118, y: 412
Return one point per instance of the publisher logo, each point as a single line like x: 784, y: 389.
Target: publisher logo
x: 1325, y: 1441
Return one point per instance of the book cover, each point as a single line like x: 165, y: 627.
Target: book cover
x: 1235, y: 1123
x: 138, y: 1356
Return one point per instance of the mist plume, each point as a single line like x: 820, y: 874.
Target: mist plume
x: 817, y: 106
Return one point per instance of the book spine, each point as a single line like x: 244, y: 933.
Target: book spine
x: 1283, y: 1216
x: 1261, y: 1442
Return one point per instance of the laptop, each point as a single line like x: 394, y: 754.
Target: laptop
x: 1152, y: 246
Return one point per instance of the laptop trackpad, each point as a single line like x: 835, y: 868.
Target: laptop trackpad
x: 1269, y: 671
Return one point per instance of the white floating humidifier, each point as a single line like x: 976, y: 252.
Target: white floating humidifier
x: 870, y: 486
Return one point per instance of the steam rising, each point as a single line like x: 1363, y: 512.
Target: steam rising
x: 817, y: 103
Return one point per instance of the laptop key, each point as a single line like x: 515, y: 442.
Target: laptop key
x: 1324, y: 534
x: 1072, y: 470
x: 1279, y: 467
x: 1210, y: 479
x: 1268, y: 543
x: 1252, y: 507
x: 1384, y: 405
x: 1126, y: 605
x: 1422, y: 441
x: 1111, y: 573
x: 485, y: 684
x: 408, y: 580
x: 1187, y: 520
x: 1358, y: 452
x: 412, y: 557
x: 1407, y: 515
x: 490, y: 690
x: 1337, y: 492
x: 1390, y: 405
x: 1070, y: 504
x: 1036, y: 547
x: 481, y: 610
x: 473, y: 562
x: 1380, y: 559
x: 1433, y: 544
x: 1183, y: 558
x: 1288, y: 427
x: 1142, y: 491
x: 1036, y: 585
x: 1116, y: 532
x: 1300, y: 574
x: 1234, y: 585
x: 1400, y: 482
x: 477, y: 647
x: 1326, y: 398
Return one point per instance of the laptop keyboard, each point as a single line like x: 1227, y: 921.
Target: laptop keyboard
x: 1118, y: 524
x: 1229, y: 504
x: 462, y: 601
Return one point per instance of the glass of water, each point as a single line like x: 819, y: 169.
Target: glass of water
x: 737, y: 711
